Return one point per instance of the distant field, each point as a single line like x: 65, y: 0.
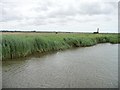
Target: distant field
x: 20, y: 44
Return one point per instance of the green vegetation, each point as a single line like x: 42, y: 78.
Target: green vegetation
x: 21, y: 45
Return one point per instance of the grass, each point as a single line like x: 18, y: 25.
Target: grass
x: 23, y: 44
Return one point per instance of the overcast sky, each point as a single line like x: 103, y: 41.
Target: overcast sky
x: 59, y: 15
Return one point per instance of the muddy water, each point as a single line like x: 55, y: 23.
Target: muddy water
x: 89, y: 67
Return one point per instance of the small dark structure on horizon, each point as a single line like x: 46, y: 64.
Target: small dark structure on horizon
x: 97, y: 31
x: 56, y: 32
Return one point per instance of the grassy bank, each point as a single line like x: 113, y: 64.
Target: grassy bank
x: 16, y: 45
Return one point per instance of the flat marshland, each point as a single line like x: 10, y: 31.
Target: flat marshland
x: 16, y: 44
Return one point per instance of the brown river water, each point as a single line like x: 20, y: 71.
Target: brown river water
x: 88, y: 67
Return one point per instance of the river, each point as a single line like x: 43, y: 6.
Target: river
x: 88, y: 67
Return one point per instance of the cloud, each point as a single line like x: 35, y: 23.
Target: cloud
x: 18, y: 11
x: 96, y: 8
x: 57, y: 12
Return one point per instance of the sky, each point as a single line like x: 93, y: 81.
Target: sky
x: 59, y: 15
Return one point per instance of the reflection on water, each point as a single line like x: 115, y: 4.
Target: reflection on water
x: 89, y: 67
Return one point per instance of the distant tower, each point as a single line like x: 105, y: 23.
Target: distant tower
x: 97, y: 30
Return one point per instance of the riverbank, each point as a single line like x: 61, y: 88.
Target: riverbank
x: 15, y: 45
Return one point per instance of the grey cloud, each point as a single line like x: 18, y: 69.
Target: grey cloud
x: 10, y: 13
x: 61, y: 13
x: 114, y: 4
x: 47, y: 9
x: 96, y: 8
x: 90, y: 9
x: 41, y: 8
x: 10, y: 17
x: 82, y: 9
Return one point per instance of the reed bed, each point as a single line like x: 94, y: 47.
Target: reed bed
x: 22, y: 45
